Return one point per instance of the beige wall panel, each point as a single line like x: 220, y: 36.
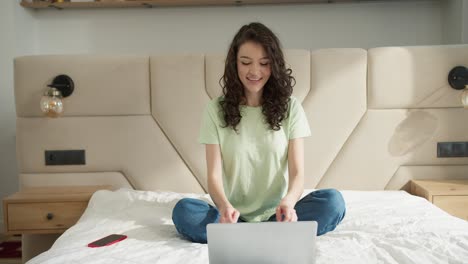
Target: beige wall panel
x: 350, y: 147
x: 414, y: 77
x: 115, y: 179
x: 178, y: 98
x: 133, y: 145
x: 416, y: 136
x: 334, y: 106
x: 364, y: 162
x: 388, y: 139
x: 104, y: 85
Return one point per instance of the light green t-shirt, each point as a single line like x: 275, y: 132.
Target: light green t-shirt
x: 255, y: 160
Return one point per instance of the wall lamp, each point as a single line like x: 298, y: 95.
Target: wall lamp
x: 51, y: 101
x: 458, y: 79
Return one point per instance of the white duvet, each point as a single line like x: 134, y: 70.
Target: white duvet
x: 379, y: 227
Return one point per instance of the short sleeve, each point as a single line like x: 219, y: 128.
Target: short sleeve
x: 208, y: 128
x: 298, y: 124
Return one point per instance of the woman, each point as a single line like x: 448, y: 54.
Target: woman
x: 254, y: 146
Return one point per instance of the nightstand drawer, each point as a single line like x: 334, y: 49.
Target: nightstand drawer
x: 47, y: 216
x: 454, y: 205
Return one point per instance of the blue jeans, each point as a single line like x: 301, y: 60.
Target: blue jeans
x: 327, y: 207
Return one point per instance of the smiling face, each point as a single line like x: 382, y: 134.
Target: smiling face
x: 253, y: 68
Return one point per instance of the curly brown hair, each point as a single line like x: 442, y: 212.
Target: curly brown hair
x: 278, y: 88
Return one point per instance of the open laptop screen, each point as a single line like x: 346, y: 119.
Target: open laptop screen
x: 266, y: 242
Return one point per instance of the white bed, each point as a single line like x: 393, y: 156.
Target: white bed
x: 379, y: 227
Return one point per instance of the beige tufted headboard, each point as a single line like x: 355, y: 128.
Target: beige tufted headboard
x: 376, y: 117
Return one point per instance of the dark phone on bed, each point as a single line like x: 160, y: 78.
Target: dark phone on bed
x: 107, y: 241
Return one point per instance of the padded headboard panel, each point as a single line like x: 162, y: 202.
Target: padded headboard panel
x: 376, y: 117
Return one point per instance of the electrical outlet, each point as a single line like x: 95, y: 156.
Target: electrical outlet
x: 64, y: 157
x: 452, y: 149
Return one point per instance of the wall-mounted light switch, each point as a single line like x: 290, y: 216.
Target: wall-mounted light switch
x: 64, y: 157
x: 452, y: 149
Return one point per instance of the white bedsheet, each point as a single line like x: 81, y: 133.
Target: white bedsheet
x: 379, y: 227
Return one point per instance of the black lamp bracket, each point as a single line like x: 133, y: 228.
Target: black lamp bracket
x: 458, y: 77
x: 64, y: 84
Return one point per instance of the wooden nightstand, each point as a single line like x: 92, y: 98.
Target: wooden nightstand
x: 449, y: 195
x: 46, y: 210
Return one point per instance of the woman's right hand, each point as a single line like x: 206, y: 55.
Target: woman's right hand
x: 229, y: 215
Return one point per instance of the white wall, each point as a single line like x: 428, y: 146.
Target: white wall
x: 205, y: 29
x: 7, y: 112
x: 17, y: 38
x: 464, y: 22
x: 451, y: 21
x: 454, y: 21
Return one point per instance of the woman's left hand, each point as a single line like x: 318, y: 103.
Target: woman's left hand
x: 285, y: 211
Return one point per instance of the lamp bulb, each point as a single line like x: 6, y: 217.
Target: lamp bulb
x: 464, y: 98
x: 51, y: 103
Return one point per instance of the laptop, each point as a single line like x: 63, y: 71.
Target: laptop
x: 265, y: 242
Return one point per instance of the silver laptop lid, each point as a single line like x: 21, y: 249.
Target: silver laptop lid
x: 266, y: 242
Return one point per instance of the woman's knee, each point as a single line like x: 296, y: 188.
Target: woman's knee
x: 182, y: 205
x: 335, y: 200
x: 336, y: 210
x: 190, y: 217
x: 336, y: 204
x: 182, y: 208
x: 334, y: 197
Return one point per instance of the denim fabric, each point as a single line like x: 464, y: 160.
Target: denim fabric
x: 326, y: 206
x: 191, y: 216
